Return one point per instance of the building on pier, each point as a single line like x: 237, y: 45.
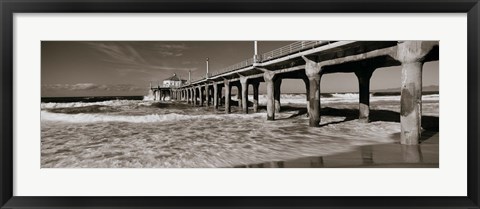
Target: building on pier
x: 161, y: 92
x: 174, y: 81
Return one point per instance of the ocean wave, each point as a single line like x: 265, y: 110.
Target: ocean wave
x: 152, y: 118
x: 85, y: 109
x: 345, y: 95
x: 111, y: 103
x: 337, y: 98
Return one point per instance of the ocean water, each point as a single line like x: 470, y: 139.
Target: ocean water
x: 141, y: 133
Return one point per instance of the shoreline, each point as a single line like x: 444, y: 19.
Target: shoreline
x: 393, y: 155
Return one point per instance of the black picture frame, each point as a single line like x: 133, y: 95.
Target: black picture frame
x: 9, y: 7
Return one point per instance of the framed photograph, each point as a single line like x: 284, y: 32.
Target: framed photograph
x: 265, y: 104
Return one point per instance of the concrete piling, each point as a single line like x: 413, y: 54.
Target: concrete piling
x: 239, y: 95
x: 313, y: 70
x: 307, y: 94
x: 194, y: 98
x: 411, y: 103
x: 255, y: 86
x: 244, y: 93
x: 411, y: 54
x: 207, y: 95
x: 200, y: 95
x: 314, y: 103
x: 269, y: 80
x: 220, y: 90
x: 228, y: 89
x: 276, y: 92
x: 363, y: 76
x: 215, y: 96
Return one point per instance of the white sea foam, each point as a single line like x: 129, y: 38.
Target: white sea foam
x: 337, y: 98
x: 284, y: 98
x: 345, y: 95
x: 151, y: 118
x: 149, y: 97
x: 112, y: 103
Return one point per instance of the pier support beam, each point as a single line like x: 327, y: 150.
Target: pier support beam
x: 228, y: 89
x: 411, y: 103
x: 269, y: 80
x: 363, y: 76
x: 200, y: 95
x: 278, y: 84
x: 244, y: 93
x: 191, y: 95
x: 314, y: 103
x: 255, y: 95
x: 220, y: 90
x: 207, y: 95
x: 239, y: 95
x: 215, y: 96
x: 411, y: 54
x: 314, y: 74
x: 194, y: 98
x: 307, y: 94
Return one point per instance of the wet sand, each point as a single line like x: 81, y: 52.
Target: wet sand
x: 395, y: 155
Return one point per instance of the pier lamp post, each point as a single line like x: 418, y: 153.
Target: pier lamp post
x: 256, y: 58
x: 206, y: 76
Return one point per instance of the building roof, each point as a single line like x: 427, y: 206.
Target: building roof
x: 173, y: 78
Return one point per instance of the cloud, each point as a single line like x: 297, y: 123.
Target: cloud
x: 138, y: 57
x: 120, y: 53
x: 169, y: 50
x: 91, y: 87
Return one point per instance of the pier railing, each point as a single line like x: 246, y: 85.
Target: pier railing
x: 292, y: 48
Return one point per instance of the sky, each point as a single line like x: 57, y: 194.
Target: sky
x: 126, y: 68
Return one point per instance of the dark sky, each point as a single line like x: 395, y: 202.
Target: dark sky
x: 123, y: 68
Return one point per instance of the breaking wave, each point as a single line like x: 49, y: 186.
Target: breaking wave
x: 152, y: 118
x: 337, y: 98
x: 111, y: 103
